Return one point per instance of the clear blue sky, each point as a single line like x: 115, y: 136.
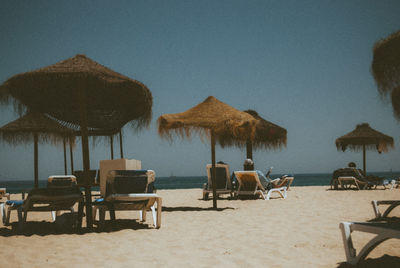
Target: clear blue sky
x: 304, y: 65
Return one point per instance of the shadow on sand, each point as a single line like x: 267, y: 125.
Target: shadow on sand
x: 385, y: 261
x: 63, y: 225
x: 172, y: 209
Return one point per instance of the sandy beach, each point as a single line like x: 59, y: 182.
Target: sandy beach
x: 300, y: 231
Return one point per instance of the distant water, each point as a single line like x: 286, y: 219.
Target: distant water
x: 188, y: 182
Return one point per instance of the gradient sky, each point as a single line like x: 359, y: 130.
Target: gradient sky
x: 304, y: 65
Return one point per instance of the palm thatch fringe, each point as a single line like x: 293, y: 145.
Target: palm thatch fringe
x: 386, y: 69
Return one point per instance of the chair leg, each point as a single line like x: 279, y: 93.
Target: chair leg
x: 80, y: 215
x: 54, y: 215
x: 153, y: 213
x: 94, y: 212
x: 22, y: 215
x: 159, y: 208
x: 7, y: 221
x: 348, y: 242
x: 3, y: 214
x: 142, y: 215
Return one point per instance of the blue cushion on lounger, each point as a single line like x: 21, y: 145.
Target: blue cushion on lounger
x: 98, y: 200
x: 15, y: 203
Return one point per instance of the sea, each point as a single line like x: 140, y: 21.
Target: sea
x: 190, y: 182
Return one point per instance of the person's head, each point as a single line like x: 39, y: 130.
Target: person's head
x: 351, y: 164
x: 221, y: 162
x: 248, y: 164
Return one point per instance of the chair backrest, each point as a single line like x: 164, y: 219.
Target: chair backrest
x: 61, y: 181
x: 248, y: 180
x: 129, y: 181
x: 223, y: 177
x: 93, y: 174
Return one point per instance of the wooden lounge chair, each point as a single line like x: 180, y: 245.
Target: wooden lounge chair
x: 249, y: 184
x: 383, y: 231
x: 223, y: 181
x: 46, y: 200
x: 129, y: 190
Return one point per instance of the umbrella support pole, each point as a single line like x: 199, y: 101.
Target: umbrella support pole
x: 65, y: 157
x: 364, y: 161
x: 112, y: 147
x: 85, y: 158
x: 214, y: 171
x: 120, y: 144
x: 36, y: 159
x: 71, y: 157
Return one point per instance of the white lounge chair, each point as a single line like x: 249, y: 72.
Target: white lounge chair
x: 249, y: 184
x: 383, y: 231
x: 223, y: 181
x: 129, y: 190
x: 392, y: 204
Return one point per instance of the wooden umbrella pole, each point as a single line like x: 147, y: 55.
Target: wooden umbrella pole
x: 85, y: 157
x: 120, y: 144
x: 36, y: 159
x: 71, y: 157
x: 214, y: 171
x: 65, y: 157
x: 249, y: 149
x: 364, y: 161
x: 112, y: 147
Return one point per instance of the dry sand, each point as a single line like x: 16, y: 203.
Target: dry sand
x: 300, y: 231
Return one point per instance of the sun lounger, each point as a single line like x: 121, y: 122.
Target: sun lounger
x: 281, y: 182
x: 383, y: 231
x: 47, y: 200
x: 249, y: 184
x: 129, y: 190
x: 346, y: 182
x: 392, y: 204
x: 223, y: 181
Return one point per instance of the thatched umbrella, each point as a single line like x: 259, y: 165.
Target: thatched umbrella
x: 386, y: 69
x: 82, y: 92
x: 211, y: 118
x: 268, y: 135
x: 36, y: 127
x: 364, y: 137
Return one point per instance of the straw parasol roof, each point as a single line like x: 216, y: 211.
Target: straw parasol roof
x: 47, y: 129
x: 80, y: 91
x: 112, y: 99
x: 211, y: 118
x: 224, y: 120
x: 268, y: 135
x: 386, y: 69
x: 364, y: 137
x: 36, y: 127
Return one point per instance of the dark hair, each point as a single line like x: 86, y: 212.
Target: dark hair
x: 351, y: 164
x: 248, y: 164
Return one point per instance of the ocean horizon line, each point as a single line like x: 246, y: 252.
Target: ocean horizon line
x: 2, y: 178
